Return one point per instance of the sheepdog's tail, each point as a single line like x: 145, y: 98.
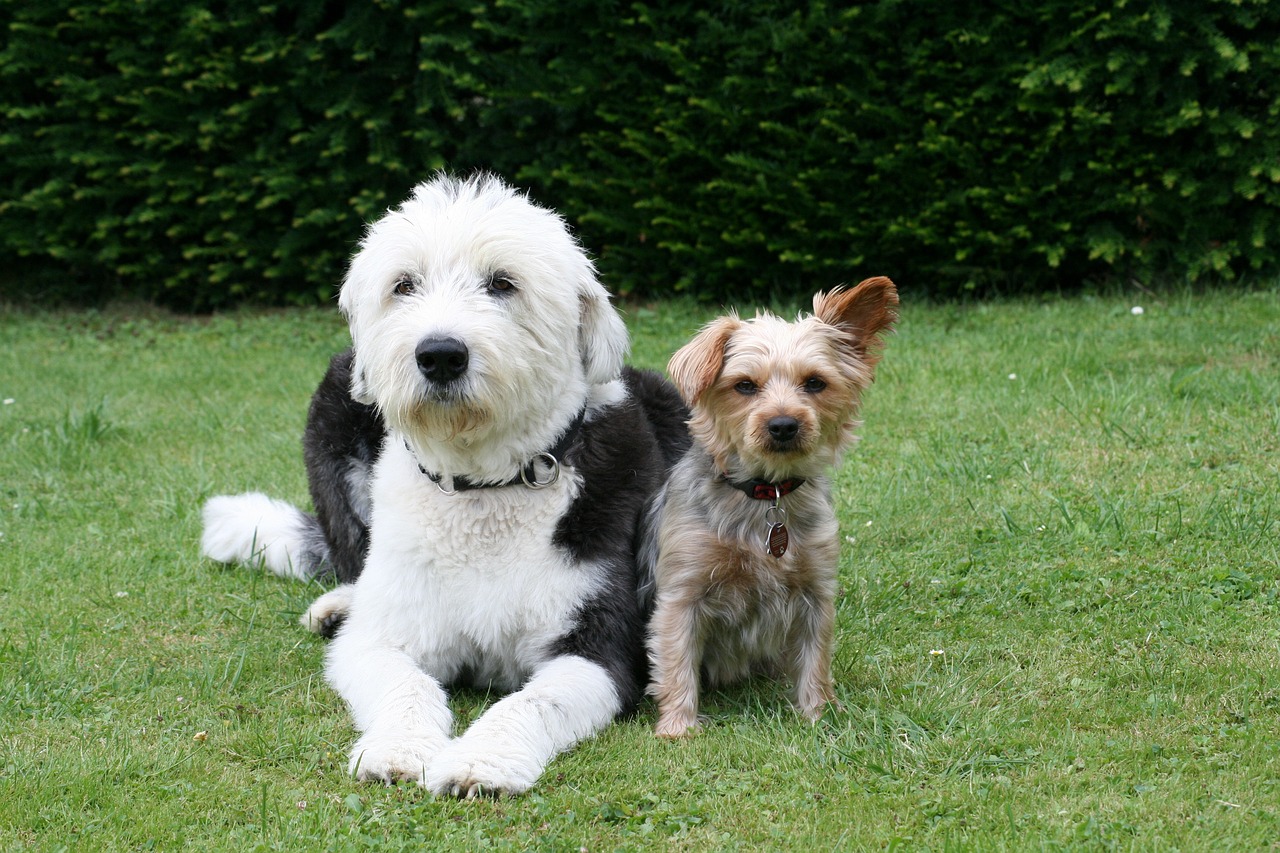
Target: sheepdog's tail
x: 254, y: 529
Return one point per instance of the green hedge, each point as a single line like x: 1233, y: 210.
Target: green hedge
x: 202, y: 154
x: 201, y: 158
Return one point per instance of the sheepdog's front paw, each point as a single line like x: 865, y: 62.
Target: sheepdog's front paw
x: 327, y: 613
x: 391, y: 759
x: 477, y: 768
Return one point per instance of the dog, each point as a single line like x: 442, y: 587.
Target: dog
x: 341, y: 443
x: 742, y: 540
x: 479, y: 460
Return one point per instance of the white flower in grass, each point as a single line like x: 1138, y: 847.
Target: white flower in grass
x: 9, y: 401
x: 1013, y: 377
x: 936, y: 652
x: 1136, y: 311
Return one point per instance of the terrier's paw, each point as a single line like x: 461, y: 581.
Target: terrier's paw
x: 674, y: 725
x: 379, y: 758
x: 814, y: 702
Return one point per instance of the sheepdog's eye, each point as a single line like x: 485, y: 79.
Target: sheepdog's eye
x: 746, y: 387
x: 501, y: 283
x: 813, y: 385
x: 405, y: 285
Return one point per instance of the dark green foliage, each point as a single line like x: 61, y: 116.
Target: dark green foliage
x: 205, y: 156
x: 203, y: 153
x: 948, y: 145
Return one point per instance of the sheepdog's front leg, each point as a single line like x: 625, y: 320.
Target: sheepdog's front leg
x: 402, y: 712
x: 504, y: 752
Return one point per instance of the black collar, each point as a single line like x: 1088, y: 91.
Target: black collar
x: 528, y: 474
x: 763, y: 490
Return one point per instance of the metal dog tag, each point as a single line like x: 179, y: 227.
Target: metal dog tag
x: 776, y: 541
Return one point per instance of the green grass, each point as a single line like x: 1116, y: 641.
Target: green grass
x: 1059, y: 615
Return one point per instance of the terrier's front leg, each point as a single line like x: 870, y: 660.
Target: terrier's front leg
x: 674, y: 658
x: 809, y: 658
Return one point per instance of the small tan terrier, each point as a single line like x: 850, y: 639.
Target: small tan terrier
x: 745, y: 530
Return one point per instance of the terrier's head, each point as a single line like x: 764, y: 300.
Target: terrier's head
x: 774, y: 400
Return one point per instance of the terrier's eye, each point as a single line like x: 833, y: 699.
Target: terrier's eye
x: 405, y: 285
x: 813, y: 385
x: 501, y: 283
x: 746, y: 387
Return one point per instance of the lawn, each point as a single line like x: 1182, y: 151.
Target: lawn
x: 1059, y: 617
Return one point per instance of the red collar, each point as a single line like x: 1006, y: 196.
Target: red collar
x: 763, y: 490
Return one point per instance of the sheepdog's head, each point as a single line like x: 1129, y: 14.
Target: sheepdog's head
x: 775, y: 400
x: 480, y: 328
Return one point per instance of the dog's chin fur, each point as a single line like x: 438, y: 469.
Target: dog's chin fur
x: 536, y: 351
x: 724, y: 604
x: 502, y: 586
x: 777, y: 358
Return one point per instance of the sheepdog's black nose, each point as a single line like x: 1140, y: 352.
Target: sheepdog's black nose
x: 442, y: 360
x: 783, y: 429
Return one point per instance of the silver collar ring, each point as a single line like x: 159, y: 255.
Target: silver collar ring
x: 551, y: 478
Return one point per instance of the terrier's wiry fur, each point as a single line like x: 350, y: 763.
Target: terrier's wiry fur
x: 773, y: 405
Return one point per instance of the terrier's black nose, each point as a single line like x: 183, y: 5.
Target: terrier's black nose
x: 442, y: 360
x: 783, y: 429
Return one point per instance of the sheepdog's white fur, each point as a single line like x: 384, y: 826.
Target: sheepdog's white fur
x: 473, y: 577
x: 277, y: 528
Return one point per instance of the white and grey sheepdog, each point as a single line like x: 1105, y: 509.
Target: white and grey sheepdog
x: 479, y: 462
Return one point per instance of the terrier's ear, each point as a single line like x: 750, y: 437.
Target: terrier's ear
x: 864, y: 313
x: 697, y: 364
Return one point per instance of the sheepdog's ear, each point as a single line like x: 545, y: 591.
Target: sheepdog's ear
x: 697, y: 364
x: 347, y: 304
x: 864, y: 313
x: 360, y: 391
x: 602, y: 336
